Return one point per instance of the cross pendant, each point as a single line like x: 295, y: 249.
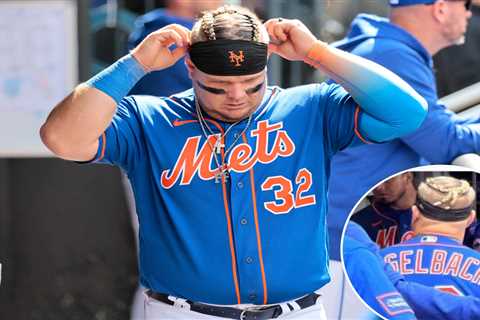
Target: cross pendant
x: 221, y: 173
x: 217, y: 148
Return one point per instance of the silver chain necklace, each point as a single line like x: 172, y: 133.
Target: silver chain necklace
x: 222, y: 169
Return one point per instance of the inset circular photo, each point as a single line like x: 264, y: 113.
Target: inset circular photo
x: 411, y: 246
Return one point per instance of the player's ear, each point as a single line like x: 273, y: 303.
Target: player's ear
x: 415, y: 214
x: 471, y: 218
x: 439, y: 10
x: 190, y: 66
x: 409, y: 176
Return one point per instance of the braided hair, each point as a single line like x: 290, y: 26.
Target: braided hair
x: 229, y: 22
x: 447, y: 192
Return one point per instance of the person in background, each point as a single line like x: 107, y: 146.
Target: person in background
x: 387, y: 219
x: 391, y: 294
x: 436, y: 256
x: 182, y: 12
x: 459, y: 60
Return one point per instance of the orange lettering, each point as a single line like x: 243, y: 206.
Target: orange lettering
x: 438, y: 262
x: 418, y: 263
x: 189, y: 162
x: 391, y: 258
x: 240, y: 160
x: 262, y: 131
x: 404, y: 262
x: 464, y: 272
x: 243, y: 157
x: 283, y: 193
x: 386, y: 238
x: 453, y: 264
x: 304, y: 181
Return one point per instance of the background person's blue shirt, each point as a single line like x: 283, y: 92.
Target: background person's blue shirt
x: 167, y: 81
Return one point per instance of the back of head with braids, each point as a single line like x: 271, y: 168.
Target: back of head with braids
x: 229, y: 22
x: 447, y: 192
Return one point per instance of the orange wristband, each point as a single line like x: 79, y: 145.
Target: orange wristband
x: 316, y: 52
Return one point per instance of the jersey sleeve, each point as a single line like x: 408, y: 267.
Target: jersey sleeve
x: 341, y: 118
x: 430, y: 303
x: 365, y: 272
x: 122, y: 143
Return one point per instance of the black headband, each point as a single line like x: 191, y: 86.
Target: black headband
x: 227, y: 57
x: 440, y: 214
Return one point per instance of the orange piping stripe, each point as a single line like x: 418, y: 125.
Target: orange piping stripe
x: 257, y: 230
x: 230, y: 239
x: 357, y: 132
x: 229, y: 224
x: 104, y: 144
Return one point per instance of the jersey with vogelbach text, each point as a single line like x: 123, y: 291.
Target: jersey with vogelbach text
x: 258, y: 236
x: 437, y: 261
x: 385, y: 225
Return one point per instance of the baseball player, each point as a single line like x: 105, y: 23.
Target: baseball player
x: 436, y: 256
x: 230, y: 177
x: 387, y: 219
x: 387, y: 292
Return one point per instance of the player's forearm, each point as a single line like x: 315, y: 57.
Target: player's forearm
x: 391, y: 107
x: 74, y: 126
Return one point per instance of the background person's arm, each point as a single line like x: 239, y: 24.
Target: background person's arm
x: 443, y: 136
x: 72, y: 129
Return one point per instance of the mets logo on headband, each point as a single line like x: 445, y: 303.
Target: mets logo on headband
x: 235, y: 59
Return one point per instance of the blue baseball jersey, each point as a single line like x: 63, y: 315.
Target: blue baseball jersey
x: 154, y: 82
x: 440, y: 138
x: 437, y: 261
x: 365, y: 270
x: 385, y: 225
x: 425, y: 301
x: 258, y: 236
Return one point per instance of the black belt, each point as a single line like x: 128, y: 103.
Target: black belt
x: 262, y: 313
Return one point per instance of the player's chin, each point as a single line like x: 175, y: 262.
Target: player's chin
x: 234, y: 114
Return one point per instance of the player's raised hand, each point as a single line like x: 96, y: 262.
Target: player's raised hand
x: 155, y: 52
x: 290, y: 39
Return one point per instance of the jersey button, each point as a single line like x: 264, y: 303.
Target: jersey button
x: 249, y: 260
x: 252, y: 296
x: 240, y: 185
x: 236, y: 135
x: 244, y: 221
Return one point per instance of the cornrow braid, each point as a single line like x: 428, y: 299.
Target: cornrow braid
x: 255, y: 32
x: 228, y: 22
x: 208, y: 20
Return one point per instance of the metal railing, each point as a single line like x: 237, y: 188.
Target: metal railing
x: 465, y: 102
x: 463, y: 99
